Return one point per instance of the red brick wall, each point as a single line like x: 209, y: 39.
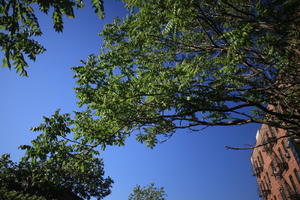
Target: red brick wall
x: 274, y: 165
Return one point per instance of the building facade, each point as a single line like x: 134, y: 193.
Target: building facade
x: 276, y: 164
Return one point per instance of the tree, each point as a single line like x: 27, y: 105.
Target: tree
x: 20, y: 26
x: 149, y: 192
x: 54, y: 167
x: 192, y: 64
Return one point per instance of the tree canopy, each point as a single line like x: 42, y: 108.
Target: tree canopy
x: 54, y: 167
x: 19, y: 27
x: 192, y: 64
x: 173, y: 65
x: 168, y: 65
x: 149, y: 192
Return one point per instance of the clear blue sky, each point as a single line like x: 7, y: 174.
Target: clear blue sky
x: 191, y: 166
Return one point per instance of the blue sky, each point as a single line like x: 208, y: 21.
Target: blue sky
x: 191, y: 165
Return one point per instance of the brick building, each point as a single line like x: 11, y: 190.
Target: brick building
x: 276, y: 164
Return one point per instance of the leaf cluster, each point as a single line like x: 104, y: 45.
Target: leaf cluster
x: 55, y: 167
x: 149, y: 192
x: 19, y: 27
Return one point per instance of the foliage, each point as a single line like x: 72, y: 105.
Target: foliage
x: 176, y: 64
x: 149, y: 192
x: 19, y: 27
x: 54, y: 167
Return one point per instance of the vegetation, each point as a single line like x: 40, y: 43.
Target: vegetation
x: 19, y: 27
x: 149, y: 192
x: 191, y: 64
x: 169, y: 65
x: 54, y: 167
x: 173, y: 65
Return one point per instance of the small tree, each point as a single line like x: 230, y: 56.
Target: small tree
x: 54, y: 167
x: 149, y: 192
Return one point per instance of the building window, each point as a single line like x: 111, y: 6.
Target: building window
x: 259, y: 161
x: 268, y: 179
x: 293, y: 183
x: 287, y: 187
x: 261, y: 158
x: 272, y: 131
x: 282, y: 193
x: 287, y: 155
x: 256, y: 169
x: 297, y: 175
x: 263, y: 189
x: 262, y: 185
x: 273, y: 168
x: 267, y: 184
x: 281, y: 154
x: 256, y: 164
x: 296, y: 145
